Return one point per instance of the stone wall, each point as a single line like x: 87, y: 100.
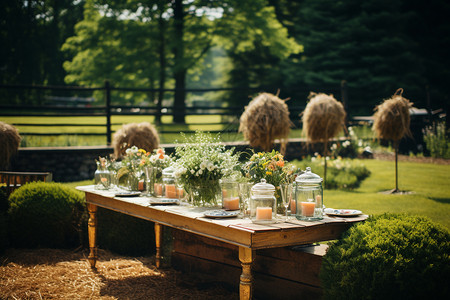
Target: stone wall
x: 69, y: 164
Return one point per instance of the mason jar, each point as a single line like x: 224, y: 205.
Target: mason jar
x: 230, y: 194
x: 263, y: 203
x: 169, y: 183
x: 308, y: 196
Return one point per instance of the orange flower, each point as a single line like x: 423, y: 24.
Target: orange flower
x: 160, y: 151
x: 161, y: 156
x: 280, y: 163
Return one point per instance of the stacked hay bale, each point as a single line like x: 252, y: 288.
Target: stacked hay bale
x: 265, y: 119
x: 142, y: 135
x: 392, y: 119
x: 9, y: 141
x: 323, y: 118
x: 391, y: 122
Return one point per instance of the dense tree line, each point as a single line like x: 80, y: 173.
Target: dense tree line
x: 294, y: 46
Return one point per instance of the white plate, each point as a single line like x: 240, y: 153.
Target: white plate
x: 128, y: 194
x: 342, y: 212
x: 221, y: 214
x: 164, y: 201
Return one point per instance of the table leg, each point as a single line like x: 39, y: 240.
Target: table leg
x: 158, y: 233
x: 92, y: 233
x: 246, y: 256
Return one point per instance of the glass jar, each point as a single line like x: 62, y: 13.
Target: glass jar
x: 263, y: 203
x: 169, y: 183
x: 102, y: 176
x: 158, y: 186
x: 230, y: 194
x: 308, y: 196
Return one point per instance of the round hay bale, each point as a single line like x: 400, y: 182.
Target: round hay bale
x: 9, y: 141
x: 391, y: 118
x: 323, y: 117
x: 265, y: 119
x: 142, y: 135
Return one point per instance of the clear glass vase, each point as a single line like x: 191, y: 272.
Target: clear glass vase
x: 205, y: 194
x: 132, y: 182
x: 102, y: 177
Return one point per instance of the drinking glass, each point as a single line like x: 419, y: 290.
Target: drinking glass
x: 244, y: 194
x: 149, y: 180
x: 286, y: 195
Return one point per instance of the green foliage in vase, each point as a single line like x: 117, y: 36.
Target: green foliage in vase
x: 202, y: 160
x: 45, y: 214
x: 390, y: 256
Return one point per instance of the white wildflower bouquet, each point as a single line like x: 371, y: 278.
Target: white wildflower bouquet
x: 200, y: 163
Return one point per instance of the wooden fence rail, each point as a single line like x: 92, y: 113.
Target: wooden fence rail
x: 230, y: 115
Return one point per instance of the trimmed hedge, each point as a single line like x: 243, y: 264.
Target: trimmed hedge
x: 391, y: 256
x: 45, y: 214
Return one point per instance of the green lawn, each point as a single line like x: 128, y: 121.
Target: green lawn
x: 429, y: 182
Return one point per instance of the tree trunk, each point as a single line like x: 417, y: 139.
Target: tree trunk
x: 179, y: 108
x: 162, y: 64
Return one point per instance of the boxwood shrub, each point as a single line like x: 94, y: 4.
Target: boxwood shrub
x: 391, y: 256
x: 45, y: 215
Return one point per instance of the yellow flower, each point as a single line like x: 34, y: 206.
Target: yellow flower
x: 268, y: 173
x: 142, y: 151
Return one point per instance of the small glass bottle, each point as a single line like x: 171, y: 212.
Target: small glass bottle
x: 102, y: 176
x: 263, y: 203
x: 309, y: 196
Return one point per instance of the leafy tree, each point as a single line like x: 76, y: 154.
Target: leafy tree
x: 180, y: 33
x: 31, y: 34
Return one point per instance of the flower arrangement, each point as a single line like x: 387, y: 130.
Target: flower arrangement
x: 271, y: 166
x: 201, y: 162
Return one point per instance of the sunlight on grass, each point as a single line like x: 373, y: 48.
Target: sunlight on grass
x: 428, y: 182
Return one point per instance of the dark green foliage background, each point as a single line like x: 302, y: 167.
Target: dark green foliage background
x: 391, y: 256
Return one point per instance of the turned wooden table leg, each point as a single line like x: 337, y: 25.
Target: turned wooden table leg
x: 158, y: 233
x: 246, y: 256
x: 92, y: 233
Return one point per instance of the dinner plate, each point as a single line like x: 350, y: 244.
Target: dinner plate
x: 164, y: 201
x: 342, y: 212
x: 221, y: 214
x: 128, y: 194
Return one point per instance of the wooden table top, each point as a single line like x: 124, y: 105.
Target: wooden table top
x: 237, y: 231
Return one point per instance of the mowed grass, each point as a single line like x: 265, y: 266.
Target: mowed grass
x: 212, y: 123
x: 429, y: 184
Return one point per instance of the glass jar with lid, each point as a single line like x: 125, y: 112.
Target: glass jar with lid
x: 263, y: 203
x: 169, y: 183
x: 308, y: 196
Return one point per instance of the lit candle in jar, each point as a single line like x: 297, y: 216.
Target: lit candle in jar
x: 171, y: 191
x: 264, y: 213
x: 308, y: 208
x: 158, y: 189
x: 293, y: 206
x: 231, y: 203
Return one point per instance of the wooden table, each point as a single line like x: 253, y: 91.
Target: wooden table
x: 240, y: 232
